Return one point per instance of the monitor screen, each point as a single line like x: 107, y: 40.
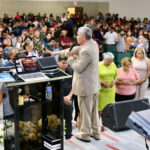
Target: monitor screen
x: 26, y: 65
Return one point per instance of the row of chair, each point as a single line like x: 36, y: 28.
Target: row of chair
x: 117, y: 56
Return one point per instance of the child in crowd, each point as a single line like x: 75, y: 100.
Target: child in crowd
x: 68, y: 107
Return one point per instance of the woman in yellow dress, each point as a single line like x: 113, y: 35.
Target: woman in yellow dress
x: 108, y: 74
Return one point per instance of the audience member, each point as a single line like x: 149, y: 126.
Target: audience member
x: 29, y: 49
x: 142, y: 65
x: 63, y: 18
x: 68, y: 103
x: 110, y: 37
x: 120, y: 42
x: 11, y: 55
x: 127, y: 81
x: 2, y: 61
x: 129, y: 40
x: 48, y: 39
x: 4, y: 35
x: 7, y: 43
x: 65, y: 41
x: 13, y: 38
x: 108, y: 75
x: 54, y: 48
x: 38, y: 43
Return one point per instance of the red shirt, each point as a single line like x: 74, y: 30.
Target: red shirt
x: 66, y: 39
x: 17, y: 16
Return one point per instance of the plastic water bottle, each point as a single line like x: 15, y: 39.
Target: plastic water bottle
x: 49, y: 92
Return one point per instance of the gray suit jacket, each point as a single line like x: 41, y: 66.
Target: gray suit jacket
x: 85, y: 79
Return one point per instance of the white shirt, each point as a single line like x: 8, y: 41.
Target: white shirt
x: 18, y: 45
x: 110, y: 37
x: 36, y: 23
x: 63, y: 19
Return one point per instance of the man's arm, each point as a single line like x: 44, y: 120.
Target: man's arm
x: 63, y: 53
x: 81, y: 63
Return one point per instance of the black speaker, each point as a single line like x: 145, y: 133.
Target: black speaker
x: 114, y: 115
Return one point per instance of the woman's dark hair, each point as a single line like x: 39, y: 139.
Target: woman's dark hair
x: 46, y: 38
x: 5, y: 31
x: 27, y: 38
x: 62, y: 59
x: 56, y: 40
x: 26, y: 44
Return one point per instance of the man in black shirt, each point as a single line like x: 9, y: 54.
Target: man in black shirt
x: 67, y: 86
x: 4, y: 35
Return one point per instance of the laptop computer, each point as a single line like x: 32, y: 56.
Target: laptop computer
x: 47, y: 63
x: 6, y: 77
x: 6, y: 69
x: 28, y: 69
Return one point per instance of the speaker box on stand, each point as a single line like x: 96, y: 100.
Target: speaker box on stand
x: 114, y: 115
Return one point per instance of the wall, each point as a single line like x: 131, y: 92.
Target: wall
x: 55, y: 7
x: 103, y: 7
x: 130, y: 8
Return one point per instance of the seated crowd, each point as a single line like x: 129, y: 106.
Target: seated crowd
x: 36, y: 35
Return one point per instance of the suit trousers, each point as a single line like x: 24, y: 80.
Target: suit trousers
x: 89, y: 119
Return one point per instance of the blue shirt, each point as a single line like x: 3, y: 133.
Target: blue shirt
x: 8, y: 63
x: 56, y: 50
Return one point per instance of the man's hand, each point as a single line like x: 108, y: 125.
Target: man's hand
x: 67, y: 100
x: 68, y: 54
x: 75, y: 56
x: 52, y: 53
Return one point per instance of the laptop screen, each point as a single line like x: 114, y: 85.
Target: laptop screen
x: 47, y: 63
x: 26, y: 65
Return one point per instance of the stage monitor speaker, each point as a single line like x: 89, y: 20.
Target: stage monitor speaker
x: 140, y: 122
x: 114, y: 115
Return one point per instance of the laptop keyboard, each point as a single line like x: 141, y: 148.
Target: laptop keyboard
x: 33, y: 75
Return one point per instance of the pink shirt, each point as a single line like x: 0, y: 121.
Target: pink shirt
x: 131, y: 76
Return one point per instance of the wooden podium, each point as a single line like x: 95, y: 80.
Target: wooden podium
x: 37, y: 122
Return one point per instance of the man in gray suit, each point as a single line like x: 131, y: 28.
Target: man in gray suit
x: 84, y: 61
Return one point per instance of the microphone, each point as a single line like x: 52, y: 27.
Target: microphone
x: 73, y: 44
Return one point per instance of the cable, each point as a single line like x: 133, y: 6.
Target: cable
x: 147, y: 147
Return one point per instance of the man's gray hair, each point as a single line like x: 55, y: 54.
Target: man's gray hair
x: 86, y: 31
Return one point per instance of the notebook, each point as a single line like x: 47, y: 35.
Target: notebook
x: 28, y: 69
x: 47, y: 63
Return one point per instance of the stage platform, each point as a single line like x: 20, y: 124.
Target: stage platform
x: 124, y: 140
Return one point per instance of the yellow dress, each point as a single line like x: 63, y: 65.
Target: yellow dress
x: 108, y: 74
